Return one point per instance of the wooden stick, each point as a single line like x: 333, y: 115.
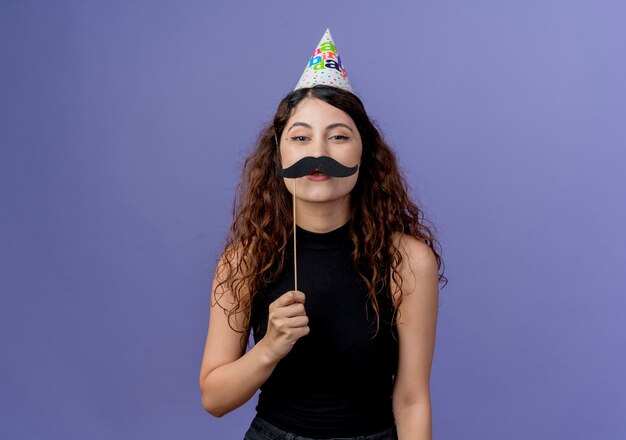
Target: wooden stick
x: 295, y: 264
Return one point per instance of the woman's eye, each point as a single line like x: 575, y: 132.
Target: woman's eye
x: 339, y: 137
x: 299, y: 138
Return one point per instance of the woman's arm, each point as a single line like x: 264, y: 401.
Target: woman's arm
x: 417, y: 324
x: 229, y: 377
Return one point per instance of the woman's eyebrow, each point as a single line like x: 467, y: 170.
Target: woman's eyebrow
x: 301, y: 124
x: 330, y: 127
x: 338, y: 124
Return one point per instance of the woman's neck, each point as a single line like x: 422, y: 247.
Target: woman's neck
x: 323, y: 217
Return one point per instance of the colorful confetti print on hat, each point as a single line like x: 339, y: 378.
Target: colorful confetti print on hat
x: 325, y: 67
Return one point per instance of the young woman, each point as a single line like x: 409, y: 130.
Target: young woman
x: 349, y: 353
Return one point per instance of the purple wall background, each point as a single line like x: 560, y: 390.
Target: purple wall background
x: 123, y: 126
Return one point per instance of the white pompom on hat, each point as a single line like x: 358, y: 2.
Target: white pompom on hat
x: 325, y: 67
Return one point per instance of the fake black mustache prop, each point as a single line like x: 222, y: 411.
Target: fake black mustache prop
x: 324, y: 164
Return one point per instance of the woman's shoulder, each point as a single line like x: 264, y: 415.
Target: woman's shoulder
x: 236, y: 253
x: 418, y: 269
x: 416, y: 250
x: 231, y: 268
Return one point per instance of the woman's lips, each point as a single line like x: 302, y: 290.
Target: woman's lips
x: 316, y: 175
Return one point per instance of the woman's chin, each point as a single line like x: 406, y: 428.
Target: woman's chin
x: 321, y: 198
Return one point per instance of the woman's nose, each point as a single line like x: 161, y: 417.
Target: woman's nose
x: 319, y: 147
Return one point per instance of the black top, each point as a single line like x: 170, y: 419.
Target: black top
x: 335, y: 381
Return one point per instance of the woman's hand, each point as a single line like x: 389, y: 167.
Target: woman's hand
x: 286, y: 324
x: 230, y: 376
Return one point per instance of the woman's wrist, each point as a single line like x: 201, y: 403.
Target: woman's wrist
x: 267, y: 357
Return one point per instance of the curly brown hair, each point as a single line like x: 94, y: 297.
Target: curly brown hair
x: 262, y: 224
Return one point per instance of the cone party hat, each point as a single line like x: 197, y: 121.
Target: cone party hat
x: 325, y: 67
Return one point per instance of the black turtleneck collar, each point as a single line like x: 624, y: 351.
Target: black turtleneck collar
x: 323, y: 240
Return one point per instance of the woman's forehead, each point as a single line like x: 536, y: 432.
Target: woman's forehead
x: 314, y: 112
